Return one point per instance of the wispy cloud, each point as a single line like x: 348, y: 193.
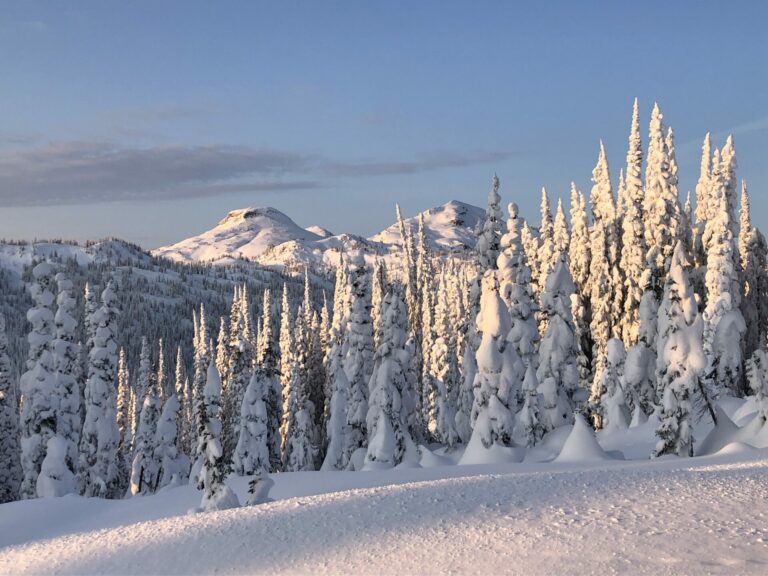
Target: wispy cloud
x: 425, y: 163
x: 85, y: 172
x: 77, y: 172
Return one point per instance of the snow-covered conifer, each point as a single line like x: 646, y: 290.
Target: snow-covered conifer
x: 443, y: 371
x: 558, y: 370
x: 300, y: 435
x: 40, y: 398
x: 603, y: 295
x: 145, y: 466
x: 269, y: 375
x: 680, y: 359
x: 10, y: 449
x: 124, y: 456
x: 546, y: 252
x: 578, y: 251
x: 499, y: 376
x: 614, y: 410
x: 723, y: 323
x: 514, y: 287
x: 487, y: 244
x: 633, y: 249
x: 252, y: 451
x: 216, y: 494
x: 389, y: 438
x: 752, y: 262
x: 529, y: 419
x: 561, y: 234
x: 99, y: 440
x: 357, y: 349
x: 662, y: 205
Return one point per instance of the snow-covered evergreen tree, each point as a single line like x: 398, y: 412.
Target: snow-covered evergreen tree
x: 640, y: 364
x: 487, y: 245
x: 562, y: 236
x: 557, y: 374
x: 98, y: 444
x: 662, y: 205
x: 703, y: 211
x: 443, y: 371
x: 252, y: 451
x: 531, y: 247
x: 173, y: 464
x: 269, y: 379
x: 287, y: 353
x: 300, y: 435
x: 546, y: 252
x: 579, y: 250
x: 614, y: 410
x: 146, y: 465
x: 216, y: 494
x: 601, y: 283
x: 752, y: 261
x: 357, y: 350
x: 10, y: 449
x: 202, y: 359
x: 529, y: 418
x: 515, y: 289
x: 680, y: 359
x: 65, y: 358
x: 499, y: 376
x: 633, y: 249
x: 40, y: 398
x: 143, y: 380
x: 389, y: 438
x: 124, y: 455
x: 723, y: 323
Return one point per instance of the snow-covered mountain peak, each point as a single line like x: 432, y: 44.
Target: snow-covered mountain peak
x: 450, y: 226
x: 257, y: 215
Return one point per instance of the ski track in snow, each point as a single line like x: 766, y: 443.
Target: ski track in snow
x: 706, y: 515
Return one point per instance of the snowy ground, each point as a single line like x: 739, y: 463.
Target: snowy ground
x: 673, y: 516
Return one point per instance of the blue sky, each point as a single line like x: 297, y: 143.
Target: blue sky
x: 150, y: 120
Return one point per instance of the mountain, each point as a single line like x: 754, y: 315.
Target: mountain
x: 270, y: 238
x: 246, y: 233
x: 448, y: 228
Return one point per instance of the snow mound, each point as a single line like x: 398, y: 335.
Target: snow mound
x: 581, y: 444
x: 476, y: 453
x: 727, y: 432
x: 736, y: 448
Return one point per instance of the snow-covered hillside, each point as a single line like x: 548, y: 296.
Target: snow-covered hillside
x: 607, y: 515
x: 269, y: 237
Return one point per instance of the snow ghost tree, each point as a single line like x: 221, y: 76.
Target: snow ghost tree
x: 680, y: 359
x: 499, y: 376
x: 723, y: 323
x: 514, y: 287
x: 558, y: 371
x: 529, y: 419
x: 10, y: 450
x: 357, y: 349
x: 615, y: 413
x: 216, y: 494
x: 252, y: 450
x: 387, y: 420
x: 40, y: 398
x: 98, y: 445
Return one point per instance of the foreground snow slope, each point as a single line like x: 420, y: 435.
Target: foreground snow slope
x: 672, y: 516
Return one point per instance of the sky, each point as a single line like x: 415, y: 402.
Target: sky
x: 150, y: 120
